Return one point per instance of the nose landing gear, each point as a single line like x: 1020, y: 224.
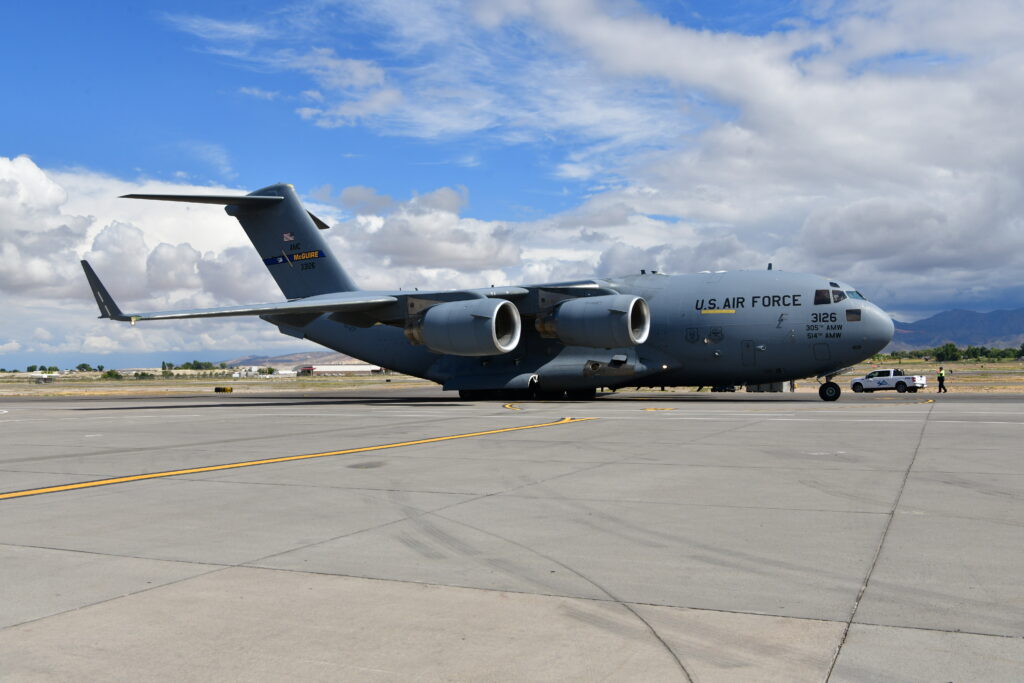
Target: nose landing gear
x: 829, y: 391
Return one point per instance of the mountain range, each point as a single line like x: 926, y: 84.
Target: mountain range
x: 998, y: 329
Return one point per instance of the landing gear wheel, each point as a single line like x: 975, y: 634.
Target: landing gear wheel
x: 829, y: 391
x: 858, y: 388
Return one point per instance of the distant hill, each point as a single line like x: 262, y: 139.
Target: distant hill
x: 306, y: 358
x: 998, y: 329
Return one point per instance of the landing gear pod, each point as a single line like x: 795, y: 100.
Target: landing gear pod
x: 606, y: 322
x: 474, y: 327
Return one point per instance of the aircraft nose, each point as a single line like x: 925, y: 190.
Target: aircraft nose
x: 877, y: 327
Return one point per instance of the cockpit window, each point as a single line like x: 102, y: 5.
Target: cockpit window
x: 854, y: 294
x: 821, y: 296
x: 838, y: 295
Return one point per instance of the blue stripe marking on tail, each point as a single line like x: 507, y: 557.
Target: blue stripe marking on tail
x: 298, y: 256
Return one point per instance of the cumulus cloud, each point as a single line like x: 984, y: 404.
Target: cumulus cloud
x: 173, y: 267
x: 365, y: 200
x: 158, y: 255
x: 147, y: 254
x: 427, y: 232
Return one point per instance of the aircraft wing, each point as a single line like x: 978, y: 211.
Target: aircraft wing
x: 350, y: 302
x: 378, y: 306
x: 574, y: 288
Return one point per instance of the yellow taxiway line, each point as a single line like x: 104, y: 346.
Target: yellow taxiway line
x: 268, y: 461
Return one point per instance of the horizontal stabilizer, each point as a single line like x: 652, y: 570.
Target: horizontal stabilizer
x: 237, y: 200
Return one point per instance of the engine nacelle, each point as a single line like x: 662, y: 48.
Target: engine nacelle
x: 606, y: 322
x: 473, y: 327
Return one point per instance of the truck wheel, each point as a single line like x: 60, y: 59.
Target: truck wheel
x: 901, y: 387
x: 858, y: 387
x: 912, y: 390
x: 829, y: 391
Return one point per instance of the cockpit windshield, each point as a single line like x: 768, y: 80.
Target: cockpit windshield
x: 838, y: 295
x: 854, y: 294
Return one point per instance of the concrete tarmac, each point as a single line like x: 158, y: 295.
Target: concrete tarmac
x: 672, y: 537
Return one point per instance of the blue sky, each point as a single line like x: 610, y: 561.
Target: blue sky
x: 463, y: 143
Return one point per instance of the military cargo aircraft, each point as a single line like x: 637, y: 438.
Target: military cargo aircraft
x: 558, y: 339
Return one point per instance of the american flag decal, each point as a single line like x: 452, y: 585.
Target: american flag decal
x: 288, y: 237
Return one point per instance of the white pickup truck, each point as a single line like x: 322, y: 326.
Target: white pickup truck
x: 877, y: 380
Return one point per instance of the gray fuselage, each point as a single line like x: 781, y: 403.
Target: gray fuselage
x: 712, y: 328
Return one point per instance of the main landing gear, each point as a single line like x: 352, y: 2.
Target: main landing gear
x: 829, y: 391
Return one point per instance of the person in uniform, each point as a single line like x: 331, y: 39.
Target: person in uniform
x: 942, y: 381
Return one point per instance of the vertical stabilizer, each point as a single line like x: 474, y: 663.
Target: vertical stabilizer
x: 291, y: 245
x: 287, y: 237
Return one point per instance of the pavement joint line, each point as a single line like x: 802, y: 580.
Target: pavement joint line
x: 614, y: 598
x: 94, y: 417
x: 267, y: 461
x: 515, y: 591
x: 214, y: 568
x: 423, y: 513
x: 222, y: 566
x: 200, y: 445
x: 878, y: 550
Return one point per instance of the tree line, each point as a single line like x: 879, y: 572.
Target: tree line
x: 165, y: 366
x: 950, y: 352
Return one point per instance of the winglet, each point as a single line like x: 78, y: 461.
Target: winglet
x: 108, y: 309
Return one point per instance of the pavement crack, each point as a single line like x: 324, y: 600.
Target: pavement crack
x: 881, y: 543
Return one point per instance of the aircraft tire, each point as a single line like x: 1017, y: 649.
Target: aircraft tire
x: 901, y: 387
x: 858, y: 388
x: 829, y: 391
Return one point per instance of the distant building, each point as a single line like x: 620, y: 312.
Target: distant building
x: 337, y: 370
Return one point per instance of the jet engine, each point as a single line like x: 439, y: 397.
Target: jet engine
x: 598, y: 321
x: 472, y: 327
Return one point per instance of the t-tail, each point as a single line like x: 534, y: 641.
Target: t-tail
x: 288, y: 238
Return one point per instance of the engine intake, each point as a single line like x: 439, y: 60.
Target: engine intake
x: 605, y: 322
x: 473, y: 327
